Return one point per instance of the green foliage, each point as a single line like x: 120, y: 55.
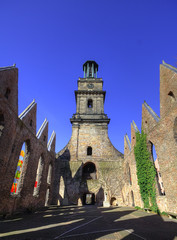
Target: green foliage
x: 138, y: 208
x: 145, y: 172
x: 164, y: 213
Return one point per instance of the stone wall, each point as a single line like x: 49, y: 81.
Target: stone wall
x: 61, y: 177
x: 161, y: 135
x: 72, y: 159
x: 16, y: 131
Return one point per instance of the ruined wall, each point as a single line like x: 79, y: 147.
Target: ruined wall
x: 71, y: 160
x: 14, y: 132
x: 162, y: 136
x: 130, y: 190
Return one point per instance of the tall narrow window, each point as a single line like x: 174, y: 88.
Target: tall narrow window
x: 61, y: 191
x: 49, y: 176
x: 90, y: 103
x: 7, y: 93
x: 21, y: 169
x: 47, y: 196
x: 89, y: 151
x: 132, y: 199
x: 159, y: 185
x: 175, y: 129
x: 38, y: 176
x: 1, y: 123
x: 130, y: 179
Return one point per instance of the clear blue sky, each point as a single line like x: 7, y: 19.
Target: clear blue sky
x: 50, y: 40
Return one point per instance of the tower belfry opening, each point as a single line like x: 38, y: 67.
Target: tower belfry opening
x: 90, y: 69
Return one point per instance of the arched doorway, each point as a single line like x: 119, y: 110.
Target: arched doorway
x: 89, y: 198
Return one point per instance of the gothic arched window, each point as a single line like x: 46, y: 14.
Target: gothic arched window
x: 38, y: 176
x: 21, y: 168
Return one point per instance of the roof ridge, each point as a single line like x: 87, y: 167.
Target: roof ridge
x: 169, y: 66
x: 8, y: 67
x: 27, y: 109
x: 134, y: 126
x: 51, y: 140
x: 41, y: 129
x: 151, y: 111
x: 128, y: 141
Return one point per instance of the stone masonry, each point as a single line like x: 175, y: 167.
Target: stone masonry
x: 88, y: 170
x: 89, y: 130
x: 16, y: 130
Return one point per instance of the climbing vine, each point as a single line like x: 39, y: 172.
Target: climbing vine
x: 145, y: 172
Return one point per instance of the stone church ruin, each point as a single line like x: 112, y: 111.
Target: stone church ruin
x: 89, y: 169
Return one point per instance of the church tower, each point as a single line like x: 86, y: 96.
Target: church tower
x: 89, y: 162
x: 90, y: 97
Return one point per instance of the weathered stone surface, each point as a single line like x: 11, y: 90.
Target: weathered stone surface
x: 162, y: 133
x: 14, y: 134
x: 89, y: 165
x: 89, y: 129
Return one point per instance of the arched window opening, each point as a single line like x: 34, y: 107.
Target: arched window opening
x: 38, y: 176
x: 7, y: 93
x: 49, y: 176
x: 31, y: 122
x: 61, y: 191
x: 1, y: 123
x: 159, y: 182
x: 21, y: 169
x: 132, y: 199
x: 47, y: 197
x: 175, y: 129
x: 113, y: 201
x: 89, y: 151
x: 90, y: 103
x: 89, y: 171
x: 130, y: 178
x: 171, y: 94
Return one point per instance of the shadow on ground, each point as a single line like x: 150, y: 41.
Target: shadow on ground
x: 89, y: 222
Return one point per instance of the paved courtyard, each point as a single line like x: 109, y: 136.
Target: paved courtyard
x: 88, y: 222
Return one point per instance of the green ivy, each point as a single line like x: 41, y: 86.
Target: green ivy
x: 145, y: 172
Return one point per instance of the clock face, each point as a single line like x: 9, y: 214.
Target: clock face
x: 90, y: 85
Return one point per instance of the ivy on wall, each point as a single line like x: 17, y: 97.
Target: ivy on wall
x: 145, y: 172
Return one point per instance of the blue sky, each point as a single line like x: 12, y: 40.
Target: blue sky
x: 50, y: 40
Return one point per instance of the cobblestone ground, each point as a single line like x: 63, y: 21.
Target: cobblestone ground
x: 89, y: 222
